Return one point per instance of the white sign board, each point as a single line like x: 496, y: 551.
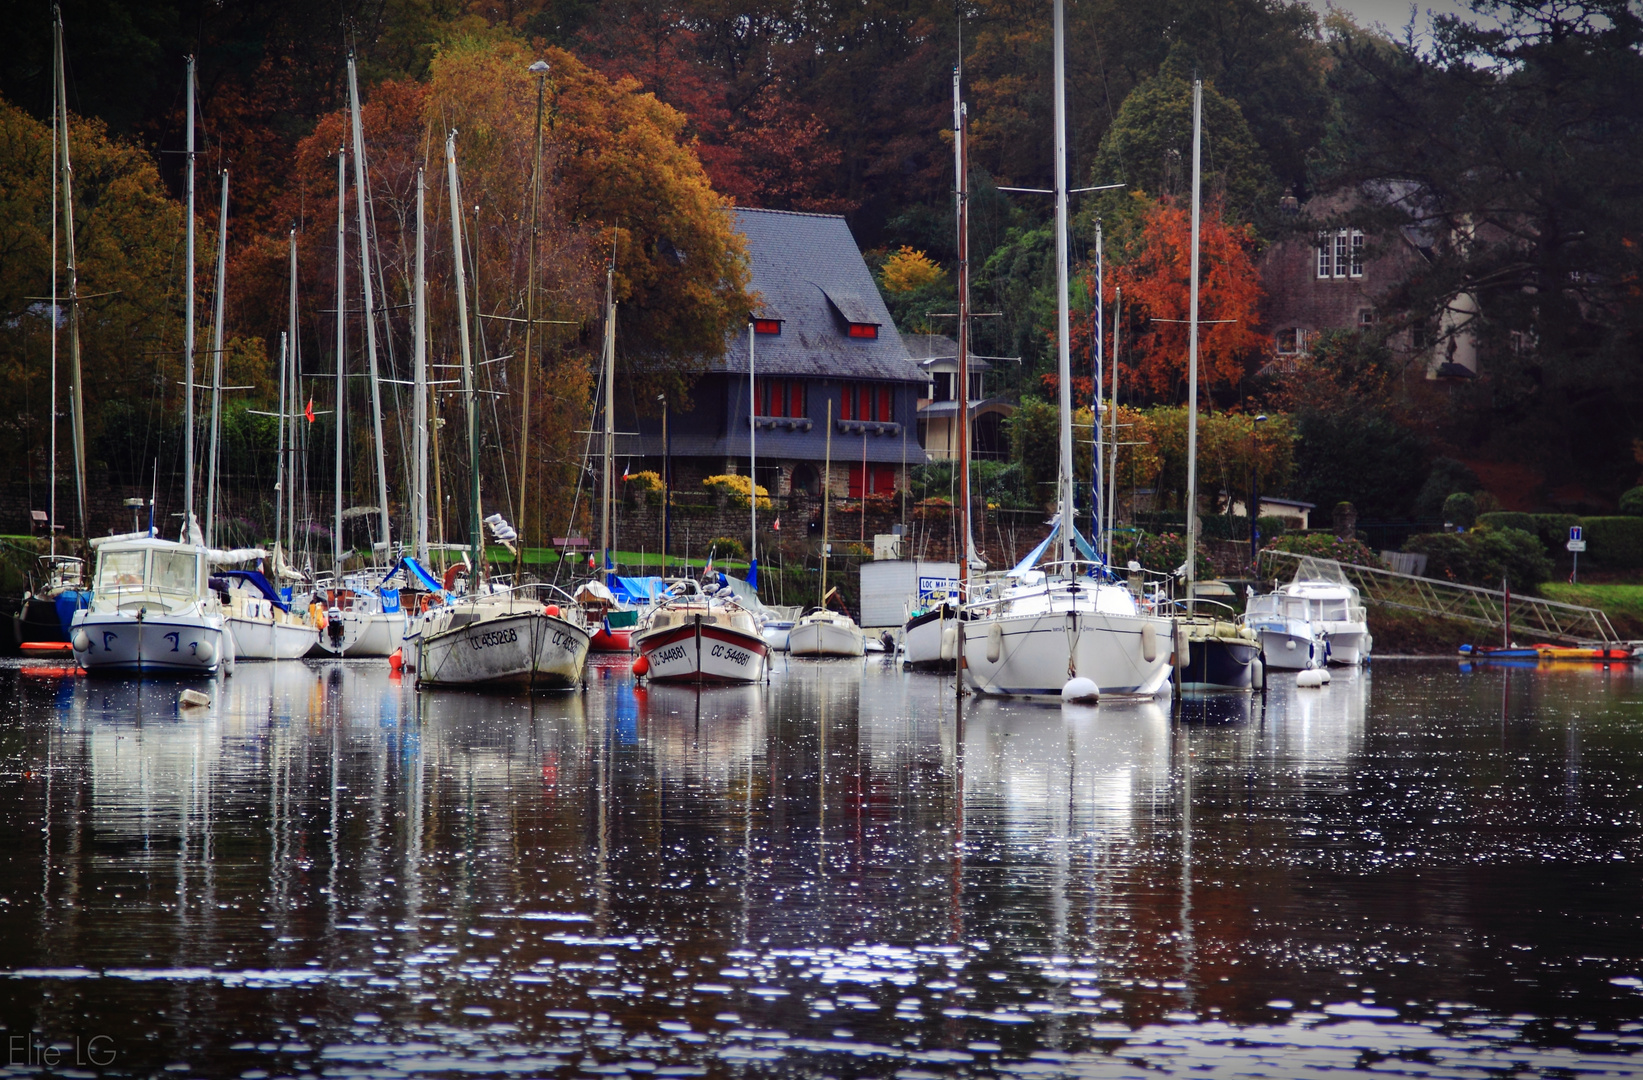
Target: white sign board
x: 1576, y: 545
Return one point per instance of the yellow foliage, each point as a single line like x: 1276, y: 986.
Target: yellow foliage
x: 909, y: 269
x: 647, y: 481
x: 736, y: 486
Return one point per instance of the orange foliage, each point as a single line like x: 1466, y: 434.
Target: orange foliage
x: 1153, y: 268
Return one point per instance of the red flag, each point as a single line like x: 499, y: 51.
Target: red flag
x: 591, y: 564
x: 309, y: 412
x: 776, y: 526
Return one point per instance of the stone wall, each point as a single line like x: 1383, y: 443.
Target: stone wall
x: 105, y: 506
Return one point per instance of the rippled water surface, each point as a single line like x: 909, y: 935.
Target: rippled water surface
x: 1414, y: 871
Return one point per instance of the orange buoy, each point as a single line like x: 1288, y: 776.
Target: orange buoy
x: 552, y: 609
x: 641, y: 667
x: 450, y: 575
x: 396, y: 660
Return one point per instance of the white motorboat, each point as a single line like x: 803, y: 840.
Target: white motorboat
x: 1333, y: 609
x: 701, y: 639
x: 1035, y: 636
x: 152, y: 611
x: 1288, y: 641
x: 506, y: 638
x: 824, y: 633
x: 777, y: 633
x: 263, y: 624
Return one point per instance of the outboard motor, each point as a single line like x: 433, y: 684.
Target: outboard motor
x: 333, y: 626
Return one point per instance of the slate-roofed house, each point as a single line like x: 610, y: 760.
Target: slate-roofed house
x: 822, y: 337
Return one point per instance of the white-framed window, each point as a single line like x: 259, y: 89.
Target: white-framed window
x: 1340, y: 254
x: 1341, y: 258
x: 1291, y: 340
x: 1366, y: 317
x: 1326, y: 255
x: 1357, y: 253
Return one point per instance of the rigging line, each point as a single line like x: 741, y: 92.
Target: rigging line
x: 582, y: 473
x: 472, y: 241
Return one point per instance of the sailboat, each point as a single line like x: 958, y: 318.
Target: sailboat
x: 365, y: 617
x: 1220, y: 654
x: 929, y: 639
x: 600, y: 604
x: 821, y: 632
x: 494, y: 636
x: 1050, y: 627
x: 152, y: 610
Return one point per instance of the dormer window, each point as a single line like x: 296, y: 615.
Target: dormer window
x: 767, y: 326
x: 864, y: 330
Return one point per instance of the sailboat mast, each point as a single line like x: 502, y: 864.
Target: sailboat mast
x: 1099, y: 353
x: 827, y: 503
x: 188, y: 322
x: 1192, y: 343
x: 1064, y: 483
x: 476, y: 539
x: 281, y: 478
x: 342, y: 365
x: 51, y: 494
x: 540, y: 70
x: 419, y: 348
x: 752, y: 458
x: 610, y: 422
x: 1112, y: 427
x: 294, y: 353
x: 962, y: 189
x: 216, y: 366
x: 76, y: 399
x: 370, y: 306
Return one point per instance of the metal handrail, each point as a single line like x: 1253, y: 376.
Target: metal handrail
x: 1467, y: 603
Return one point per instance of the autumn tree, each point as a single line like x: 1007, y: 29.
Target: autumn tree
x: 1152, y: 265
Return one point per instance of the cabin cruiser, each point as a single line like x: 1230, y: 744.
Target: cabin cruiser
x: 41, y: 624
x: 821, y: 632
x: 1333, y: 609
x: 153, y: 610
x: 1288, y: 640
x: 696, y: 635
x: 363, y: 616
x: 1221, y: 654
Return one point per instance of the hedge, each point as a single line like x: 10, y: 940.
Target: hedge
x: 1613, y: 543
x: 1551, y: 529
x: 1484, y: 556
x: 1324, y: 546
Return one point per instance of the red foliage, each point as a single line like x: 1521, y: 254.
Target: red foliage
x: 1153, y: 269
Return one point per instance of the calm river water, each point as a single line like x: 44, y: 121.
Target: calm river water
x: 1416, y: 871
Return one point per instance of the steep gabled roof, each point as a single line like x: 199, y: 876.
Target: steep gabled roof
x: 807, y: 271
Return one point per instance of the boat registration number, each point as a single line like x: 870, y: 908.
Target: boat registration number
x: 668, y: 655
x: 495, y: 637
x: 731, y: 653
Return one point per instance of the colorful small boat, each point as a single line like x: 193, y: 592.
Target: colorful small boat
x: 1582, y: 654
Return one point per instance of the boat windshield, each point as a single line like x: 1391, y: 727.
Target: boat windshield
x: 1329, y: 610
x: 167, y: 573
x: 120, y: 571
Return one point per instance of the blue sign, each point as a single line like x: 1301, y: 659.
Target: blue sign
x: 936, y: 588
x: 1575, y: 532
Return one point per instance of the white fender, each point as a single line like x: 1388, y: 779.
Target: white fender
x: 1149, y: 642
x: 1257, y: 674
x: 949, y: 641
x: 995, y: 641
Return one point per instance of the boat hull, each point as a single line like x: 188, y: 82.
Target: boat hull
x: 1349, y: 648
x: 607, y: 640
x: 1282, y: 651
x: 701, y: 652
x: 362, y: 635
x: 264, y: 639
x: 524, y: 650
x: 1037, y: 653
x: 824, y: 640
x: 1215, y: 663
x: 120, y: 644
x: 929, y: 642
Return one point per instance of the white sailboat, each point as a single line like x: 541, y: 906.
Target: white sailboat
x: 365, y: 619
x: 1050, y: 627
x: 820, y: 632
x: 152, y: 609
x: 494, y: 637
x: 694, y: 636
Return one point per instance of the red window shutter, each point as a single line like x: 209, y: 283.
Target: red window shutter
x: 855, y: 481
x: 795, y: 398
x: 864, y: 402
x: 767, y: 326
x: 885, y: 413
x: 847, y: 402
x: 774, y: 397
x: 863, y: 330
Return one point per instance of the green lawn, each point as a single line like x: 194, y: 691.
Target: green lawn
x: 1622, y: 603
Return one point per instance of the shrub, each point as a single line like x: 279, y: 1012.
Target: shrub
x: 1323, y: 546
x: 1510, y: 519
x: 1614, y: 542
x: 1461, y: 510
x: 727, y: 547
x: 1446, y: 477
x: 1159, y: 553
x: 1484, y: 556
x: 1631, y: 503
x: 645, y: 482
x: 736, y: 487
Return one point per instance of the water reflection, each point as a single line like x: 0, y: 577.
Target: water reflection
x: 845, y: 870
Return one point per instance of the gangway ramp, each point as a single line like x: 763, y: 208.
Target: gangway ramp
x: 1532, y: 617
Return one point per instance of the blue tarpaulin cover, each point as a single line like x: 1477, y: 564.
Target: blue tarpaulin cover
x: 636, y: 590
x: 261, y: 584
x: 416, y: 570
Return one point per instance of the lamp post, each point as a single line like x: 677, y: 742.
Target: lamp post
x: 667, y: 491
x: 1255, y: 490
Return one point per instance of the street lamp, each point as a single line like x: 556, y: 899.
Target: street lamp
x: 1255, y: 490
x: 667, y: 492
